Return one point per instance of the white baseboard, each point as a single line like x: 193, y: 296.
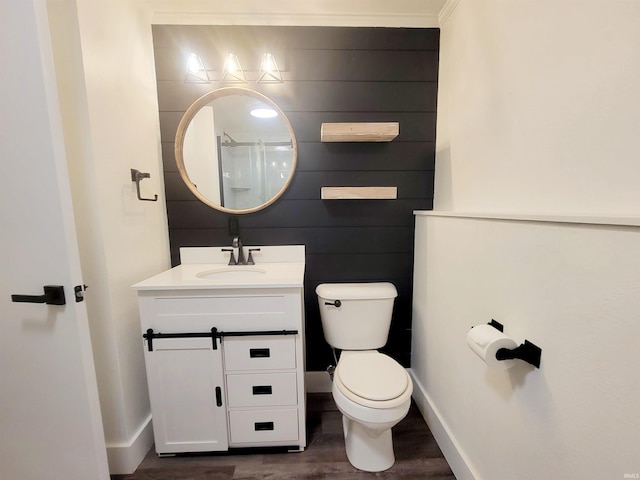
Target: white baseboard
x: 451, y: 450
x: 317, y: 382
x: 125, y: 457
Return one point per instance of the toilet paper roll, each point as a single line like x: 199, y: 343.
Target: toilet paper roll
x: 486, y: 340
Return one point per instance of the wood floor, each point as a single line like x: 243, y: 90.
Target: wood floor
x: 417, y: 455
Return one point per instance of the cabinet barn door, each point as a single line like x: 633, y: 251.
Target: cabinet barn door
x: 186, y: 391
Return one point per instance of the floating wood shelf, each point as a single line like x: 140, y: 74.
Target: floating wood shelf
x: 359, y: 132
x: 358, y: 193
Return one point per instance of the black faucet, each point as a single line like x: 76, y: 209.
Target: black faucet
x: 237, y: 243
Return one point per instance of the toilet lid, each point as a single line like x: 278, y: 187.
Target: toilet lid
x: 372, y: 375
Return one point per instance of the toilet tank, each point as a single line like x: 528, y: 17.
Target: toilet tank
x: 363, y: 317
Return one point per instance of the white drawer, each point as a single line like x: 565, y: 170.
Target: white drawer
x: 230, y: 304
x: 262, y: 390
x: 196, y: 312
x: 259, y: 353
x: 263, y: 426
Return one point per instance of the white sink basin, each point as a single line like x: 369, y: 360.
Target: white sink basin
x: 238, y: 272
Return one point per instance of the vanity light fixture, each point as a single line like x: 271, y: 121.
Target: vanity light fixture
x: 196, y: 70
x: 269, y: 72
x: 233, y: 72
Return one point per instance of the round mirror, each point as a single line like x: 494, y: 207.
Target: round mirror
x: 236, y: 150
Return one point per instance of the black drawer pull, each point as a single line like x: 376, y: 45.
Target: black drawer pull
x: 262, y: 390
x: 259, y: 353
x: 263, y: 426
x: 218, y: 396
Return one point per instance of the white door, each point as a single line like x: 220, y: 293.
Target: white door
x: 50, y: 424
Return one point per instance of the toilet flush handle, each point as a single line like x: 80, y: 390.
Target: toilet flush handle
x: 336, y: 303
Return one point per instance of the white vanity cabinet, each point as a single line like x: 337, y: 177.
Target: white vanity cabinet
x: 225, y: 368
x: 225, y: 363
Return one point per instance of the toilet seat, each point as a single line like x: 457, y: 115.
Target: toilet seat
x: 372, y: 379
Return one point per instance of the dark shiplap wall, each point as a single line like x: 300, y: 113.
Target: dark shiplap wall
x: 330, y: 75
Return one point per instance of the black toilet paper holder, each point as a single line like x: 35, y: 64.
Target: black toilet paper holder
x: 527, y: 351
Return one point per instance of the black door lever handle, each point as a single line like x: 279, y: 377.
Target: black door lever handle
x: 53, y: 295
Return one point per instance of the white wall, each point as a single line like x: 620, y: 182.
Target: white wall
x: 538, y: 117
x: 538, y: 107
x: 572, y: 290
x: 106, y: 81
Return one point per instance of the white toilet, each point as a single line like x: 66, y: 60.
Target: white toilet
x: 371, y: 390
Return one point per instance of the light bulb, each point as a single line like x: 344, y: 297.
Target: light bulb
x: 264, y: 113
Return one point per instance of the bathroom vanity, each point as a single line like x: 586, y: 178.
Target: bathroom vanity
x: 224, y: 351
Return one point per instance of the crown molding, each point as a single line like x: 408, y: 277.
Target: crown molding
x: 446, y: 11
x: 297, y: 19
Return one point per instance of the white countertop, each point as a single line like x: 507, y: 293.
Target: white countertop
x: 275, y: 275
x: 267, y: 273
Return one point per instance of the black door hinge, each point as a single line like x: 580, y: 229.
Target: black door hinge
x: 79, y: 292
